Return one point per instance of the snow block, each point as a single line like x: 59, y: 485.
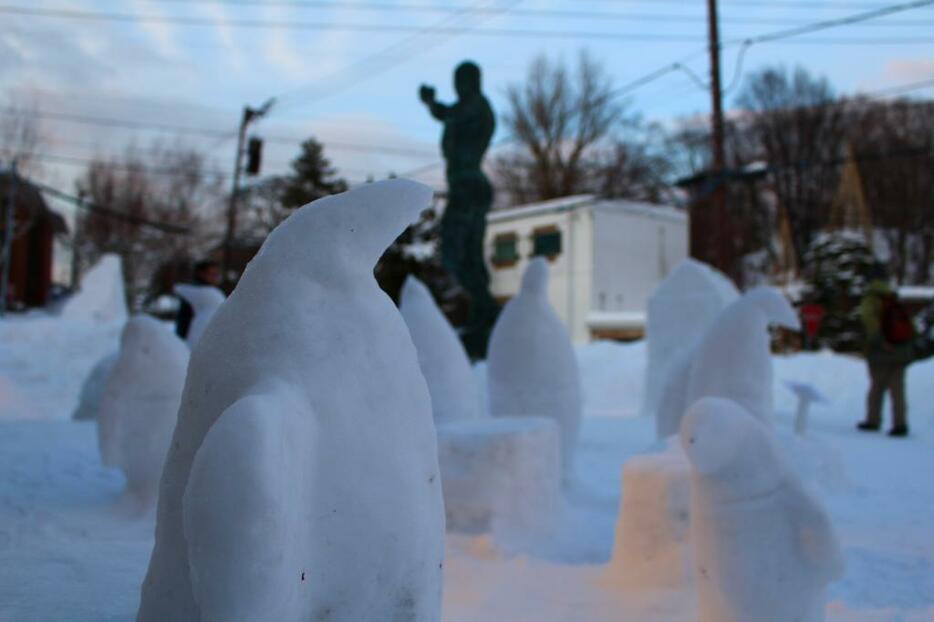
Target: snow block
x: 89, y: 402
x: 670, y: 331
x: 502, y: 472
x: 531, y: 368
x: 652, y: 549
x: 205, y: 300
x: 139, y: 404
x: 101, y: 297
x: 302, y: 481
x: 441, y: 356
x: 764, y: 547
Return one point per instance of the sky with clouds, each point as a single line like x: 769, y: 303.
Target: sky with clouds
x: 347, y: 71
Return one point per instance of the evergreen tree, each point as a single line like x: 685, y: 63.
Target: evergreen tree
x: 312, y: 177
x: 837, y: 266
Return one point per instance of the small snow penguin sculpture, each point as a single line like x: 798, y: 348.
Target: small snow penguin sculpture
x: 765, y: 549
x: 302, y: 482
x: 531, y: 369
x: 205, y: 300
x: 441, y: 355
x: 139, y: 404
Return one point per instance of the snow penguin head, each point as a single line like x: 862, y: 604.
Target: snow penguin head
x: 535, y: 278
x: 727, y: 445
x: 145, y: 337
x: 345, y: 234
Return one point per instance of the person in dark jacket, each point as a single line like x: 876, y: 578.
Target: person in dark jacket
x: 887, y: 360
x: 207, y: 272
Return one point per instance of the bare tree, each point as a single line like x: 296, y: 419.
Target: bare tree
x: 20, y: 136
x: 164, y: 185
x: 893, y: 146
x: 793, y: 122
x: 555, y: 118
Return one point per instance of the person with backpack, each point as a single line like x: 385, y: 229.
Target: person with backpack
x: 207, y: 272
x: 889, y: 334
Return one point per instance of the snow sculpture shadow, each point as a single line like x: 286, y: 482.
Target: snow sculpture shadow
x: 302, y: 482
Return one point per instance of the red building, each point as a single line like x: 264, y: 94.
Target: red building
x: 34, y: 230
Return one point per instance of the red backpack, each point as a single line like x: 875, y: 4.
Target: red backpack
x: 897, y: 326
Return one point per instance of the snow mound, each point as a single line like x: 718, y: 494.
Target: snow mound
x: 531, y: 368
x: 139, y: 404
x: 89, y: 402
x: 205, y: 300
x: 670, y: 330
x: 302, y: 482
x: 505, y: 471
x: 101, y: 297
x: 13, y: 404
x: 653, y: 548
x: 765, y: 549
x: 441, y: 356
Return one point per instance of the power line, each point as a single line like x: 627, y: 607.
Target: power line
x: 450, y: 30
x: 534, y: 13
x: 111, y: 213
x: 216, y: 133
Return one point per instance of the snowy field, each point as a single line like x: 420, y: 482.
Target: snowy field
x: 71, y: 550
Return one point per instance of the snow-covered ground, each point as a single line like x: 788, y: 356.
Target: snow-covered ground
x: 71, y: 550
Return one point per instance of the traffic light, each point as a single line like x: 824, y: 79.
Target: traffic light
x: 254, y: 155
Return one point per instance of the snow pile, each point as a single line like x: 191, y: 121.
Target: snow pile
x: 503, y: 471
x: 139, y: 404
x: 89, y: 402
x: 680, y: 311
x: 531, y: 368
x: 13, y: 404
x: 652, y: 549
x: 101, y: 297
x: 441, y: 356
x: 765, y: 549
x: 205, y: 300
x: 46, y: 358
x: 302, y: 482
x: 733, y: 360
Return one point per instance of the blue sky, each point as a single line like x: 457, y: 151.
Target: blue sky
x: 201, y: 75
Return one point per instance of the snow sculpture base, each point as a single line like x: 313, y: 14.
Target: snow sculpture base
x: 653, y: 548
x: 500, y: 474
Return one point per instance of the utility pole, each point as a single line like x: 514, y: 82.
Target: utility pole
x: 720, y: 246
x: 249, y: 115
x: 8, y: 225
x: 76, y: 242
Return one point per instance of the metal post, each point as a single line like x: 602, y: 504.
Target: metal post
x: 8, y: 239
x: 249, y: 114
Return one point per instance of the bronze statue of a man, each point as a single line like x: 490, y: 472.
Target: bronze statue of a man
x: 468, y: 128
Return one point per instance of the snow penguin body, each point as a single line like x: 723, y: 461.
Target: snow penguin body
x: 139, y: 404
x: 441, y: 355
x: 532, y: 370
x: 765, y: 549
x: 302, y: 482
x: 205, y: 300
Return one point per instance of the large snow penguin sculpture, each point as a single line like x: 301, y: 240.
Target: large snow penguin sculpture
x: 441, y: 355
x: 733, y: 360
x: 764, y: 548
x: 205, y: 300
x: 302, y: 482
x: 139, y: 404
x: 531, y: 368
